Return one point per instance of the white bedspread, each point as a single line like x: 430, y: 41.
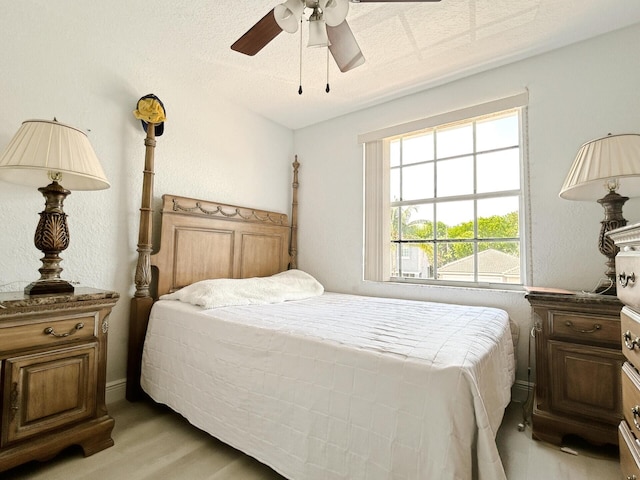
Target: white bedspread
x: 340, y: 386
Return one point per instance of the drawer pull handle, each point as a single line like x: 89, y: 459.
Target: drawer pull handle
x: 624, y: 279
x: 635, y: 411
x: 629, y: 341
x: 596, y: 327
x: 52, y: 332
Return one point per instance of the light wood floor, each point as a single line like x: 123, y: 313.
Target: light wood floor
x: 153, y: 443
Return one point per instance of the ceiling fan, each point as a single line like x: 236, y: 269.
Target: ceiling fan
x: 327, y: 27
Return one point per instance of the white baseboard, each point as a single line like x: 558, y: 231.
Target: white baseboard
x: 116, y: 391
x: 521, y: 390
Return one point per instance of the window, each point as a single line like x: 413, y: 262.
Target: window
x: 452, y: 197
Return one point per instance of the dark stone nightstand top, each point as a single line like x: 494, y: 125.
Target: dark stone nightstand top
x: 16, y: 301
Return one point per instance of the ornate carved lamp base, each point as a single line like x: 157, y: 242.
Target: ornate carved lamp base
x: 48, y: 287
x: 51, y: 237
x: 612, y: 204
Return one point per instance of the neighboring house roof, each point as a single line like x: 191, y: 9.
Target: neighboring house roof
x: 489, y: 261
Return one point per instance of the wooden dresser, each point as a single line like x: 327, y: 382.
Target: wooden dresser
x: 578, y: 361
x: 628, y: 290
x: 53, y: 351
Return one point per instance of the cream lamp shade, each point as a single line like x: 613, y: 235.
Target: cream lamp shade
x: 50, y: 153
x: 43, y: 146
x: 603, y: 163
x: 288, y: 15
x: 317, y: 32
x: 600, y: 168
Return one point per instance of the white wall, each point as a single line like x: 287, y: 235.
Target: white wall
x: 576, y: 94
x: 210, y: 148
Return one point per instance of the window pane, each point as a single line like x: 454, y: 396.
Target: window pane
x: 454, y: 141
x: 394, y: 184
x: 417, y: 182
x: 395, y: 223
x: 394, y: 263
x: 499, y: 262
x: 418, y: 148
x: 394, y: 153
x: 497, y: 132
x: 498, y: 217
x: 455, y: 261
x: 499, y: 171
x: 418, y: 222
x: 458, y: 217
x: 455, y: 177
x: 417, y: 260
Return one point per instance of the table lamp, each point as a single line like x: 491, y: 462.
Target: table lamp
x: 601, y: 168
x: 45, y: 151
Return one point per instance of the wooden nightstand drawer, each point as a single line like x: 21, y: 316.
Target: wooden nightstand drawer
x: 584, y: 327
x: 49, y: 390
x: 47, y: 331
x: 629, y: 453
x: 586, y: 380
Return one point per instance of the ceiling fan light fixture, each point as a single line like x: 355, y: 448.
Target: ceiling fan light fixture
x: 317, y: 32
x: 288, y: 15
x: 334, y: 12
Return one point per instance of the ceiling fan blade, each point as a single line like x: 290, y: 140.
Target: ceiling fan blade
x: 258, y: 36
x: 344, y: 47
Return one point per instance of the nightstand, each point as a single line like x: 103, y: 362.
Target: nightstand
x: 578, y: 361
x: 53, y: 352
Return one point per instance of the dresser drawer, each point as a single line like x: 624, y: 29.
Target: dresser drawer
x: 630, y: 327
x: 631, y: 397
x: 47, y: 331
x: 629, y: 453
x: 628, y: 277
x: 591, y: 328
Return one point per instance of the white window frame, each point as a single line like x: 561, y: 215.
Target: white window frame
x: 376, y: 261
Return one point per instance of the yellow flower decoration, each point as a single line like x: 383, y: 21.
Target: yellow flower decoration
x: 150, y: 110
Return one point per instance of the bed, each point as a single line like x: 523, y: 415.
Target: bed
x: 321, y: 385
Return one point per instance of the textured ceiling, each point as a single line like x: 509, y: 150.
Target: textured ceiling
x: 407, y: 46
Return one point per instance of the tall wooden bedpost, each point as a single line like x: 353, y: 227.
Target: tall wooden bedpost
x: 142, y: 300
x: 293, y: 248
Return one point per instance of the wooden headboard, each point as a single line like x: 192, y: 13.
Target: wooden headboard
x: 201, y: 239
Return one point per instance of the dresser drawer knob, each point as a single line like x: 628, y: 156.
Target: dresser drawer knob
x: 596, y: 327
x: 635, y: 411
x: 624, y: 279
x: 629, y: 341
x: 52, y: 332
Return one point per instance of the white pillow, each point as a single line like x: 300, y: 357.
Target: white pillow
x: 224, y: 292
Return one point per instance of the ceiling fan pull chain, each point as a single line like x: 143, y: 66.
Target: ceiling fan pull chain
x: 327, y: 89
x: 300, y: 87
